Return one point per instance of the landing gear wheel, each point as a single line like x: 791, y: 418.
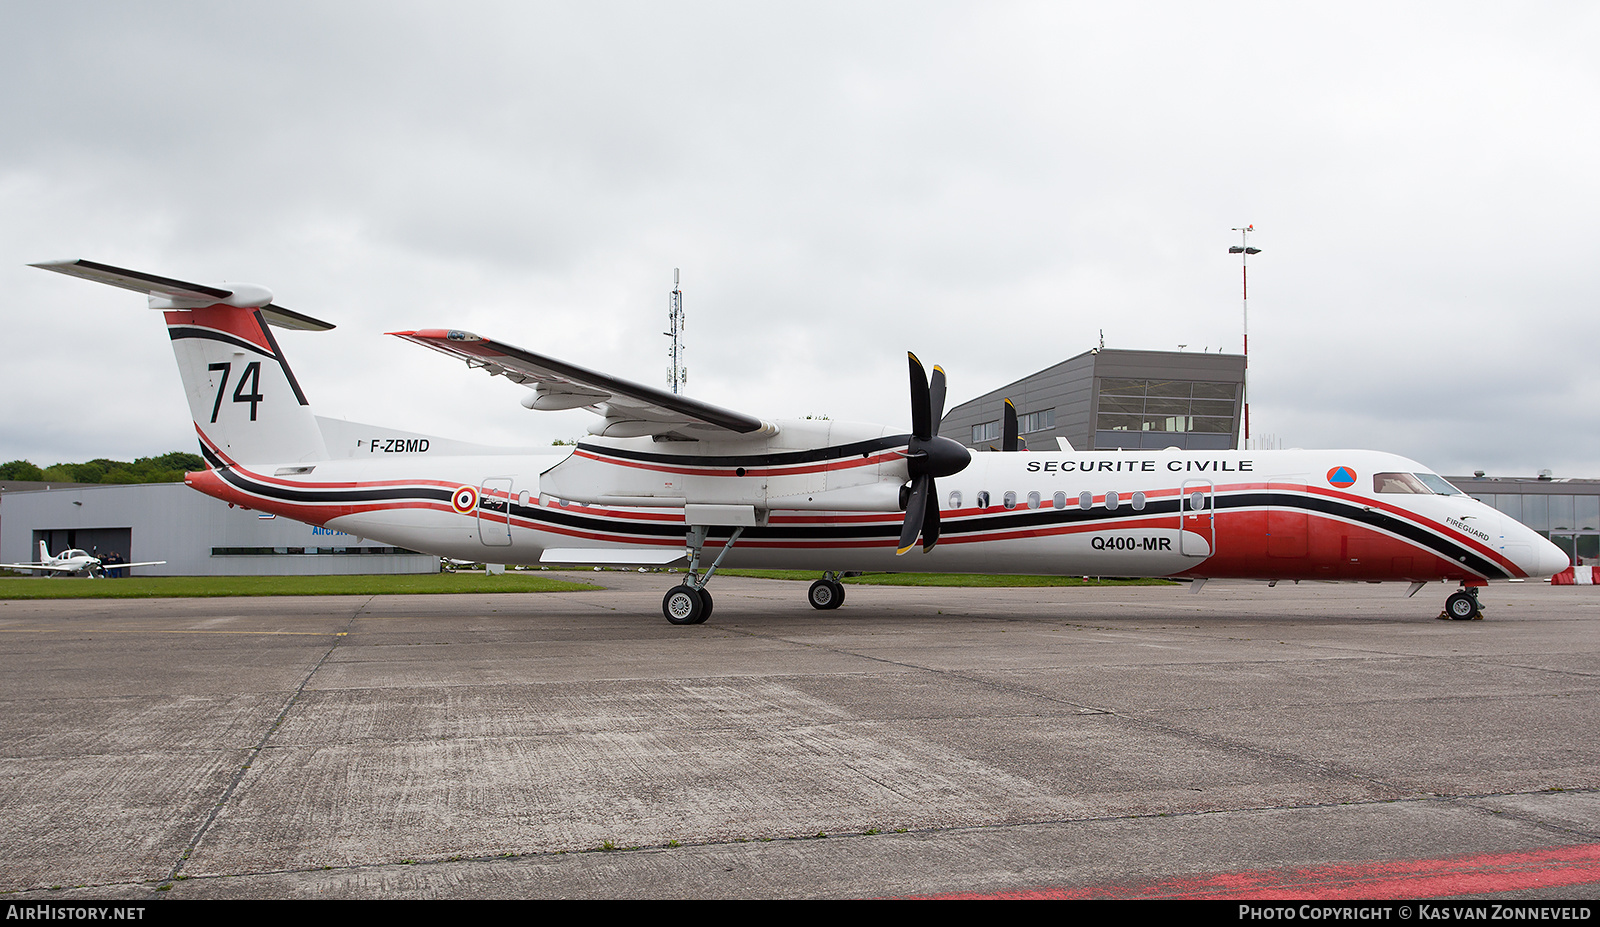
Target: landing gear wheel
x: 705, y: 600
x: 825, y: 594
x: 1462, y: 606
x: 683, y: 605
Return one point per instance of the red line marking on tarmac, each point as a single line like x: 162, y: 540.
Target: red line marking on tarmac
x: 1392, y: 879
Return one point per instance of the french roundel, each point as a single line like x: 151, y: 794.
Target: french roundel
x: 1341, y: 477
x: 465, y: 500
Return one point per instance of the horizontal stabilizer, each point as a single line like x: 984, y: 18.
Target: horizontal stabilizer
x: 182, y: 294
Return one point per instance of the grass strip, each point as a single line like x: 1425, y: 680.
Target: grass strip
x: 186, y: 587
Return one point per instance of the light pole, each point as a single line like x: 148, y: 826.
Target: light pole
x: 1244, y: 251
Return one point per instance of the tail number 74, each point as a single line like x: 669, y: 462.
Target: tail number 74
x: 251, y: 378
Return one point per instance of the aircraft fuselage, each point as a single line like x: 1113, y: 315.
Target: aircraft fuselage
x: 1263, y: 514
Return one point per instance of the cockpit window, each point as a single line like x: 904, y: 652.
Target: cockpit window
x: 1438, y: 484
x: 1399, y: 482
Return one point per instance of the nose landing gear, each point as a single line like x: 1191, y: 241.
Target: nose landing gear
x: 1463, y: 606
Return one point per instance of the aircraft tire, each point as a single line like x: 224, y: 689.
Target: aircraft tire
x: 683, y: 605
x: 705, y: 600
x: 1461, y: 606
x: 825, y: 595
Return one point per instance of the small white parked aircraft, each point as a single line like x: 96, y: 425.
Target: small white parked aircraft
x: 74, y: 562
x: 663, y: 478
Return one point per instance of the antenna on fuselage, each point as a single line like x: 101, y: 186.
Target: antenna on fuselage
x: 678, y: 373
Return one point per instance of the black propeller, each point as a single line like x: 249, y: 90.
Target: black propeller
x: 927, y: 456
x: 1009, y: 441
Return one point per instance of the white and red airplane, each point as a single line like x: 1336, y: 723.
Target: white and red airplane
x: 74, y: 562
x: 663, y: 479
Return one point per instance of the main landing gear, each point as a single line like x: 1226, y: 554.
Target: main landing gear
x: 826, y: 593
x: 690, y: 603
x: 1463, y: 605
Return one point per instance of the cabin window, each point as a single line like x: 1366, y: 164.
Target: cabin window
x: 1059, y: 500
x: 955, y: 498
x: 1086, y: 500
x: 1010, y: 499
x: 1112, y: 501
x: 1033, y: 500
x: 1137, y: 501
x: 983, y: 498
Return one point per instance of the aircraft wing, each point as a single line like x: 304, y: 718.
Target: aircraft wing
x: 40, y: 566
x: 628, y: 409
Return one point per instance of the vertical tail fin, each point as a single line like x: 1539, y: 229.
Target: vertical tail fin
x: 247, y: 405
x: 44, y: 552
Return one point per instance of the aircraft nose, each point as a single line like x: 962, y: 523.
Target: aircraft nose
x: 1551, y: 559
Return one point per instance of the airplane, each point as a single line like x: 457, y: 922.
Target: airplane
x: 74, y: 562
x: 662, y: 479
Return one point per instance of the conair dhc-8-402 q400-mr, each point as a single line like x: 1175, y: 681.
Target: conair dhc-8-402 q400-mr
x: 663, y: 479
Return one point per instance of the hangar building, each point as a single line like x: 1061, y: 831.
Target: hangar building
x: 1111, y: 398
x: 196, y: 534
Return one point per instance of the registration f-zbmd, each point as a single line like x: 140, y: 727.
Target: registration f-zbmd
x: 663, y: 479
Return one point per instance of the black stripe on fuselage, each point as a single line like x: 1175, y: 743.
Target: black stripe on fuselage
x: 333, y: 496
x: 212, y: 460
x: 1031, y: 518
x: 787, y: 458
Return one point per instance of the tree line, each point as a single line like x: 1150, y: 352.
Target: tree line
x: 167, y: 468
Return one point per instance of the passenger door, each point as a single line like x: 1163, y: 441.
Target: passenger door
x: 494, y: 512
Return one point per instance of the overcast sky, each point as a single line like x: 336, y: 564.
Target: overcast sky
x: 989, y: 185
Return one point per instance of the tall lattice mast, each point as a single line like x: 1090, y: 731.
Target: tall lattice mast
x: 678, y: 373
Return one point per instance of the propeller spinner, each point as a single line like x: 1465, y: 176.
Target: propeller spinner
x: 927, y: 456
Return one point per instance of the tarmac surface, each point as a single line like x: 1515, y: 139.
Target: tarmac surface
x: 1108, y: 741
